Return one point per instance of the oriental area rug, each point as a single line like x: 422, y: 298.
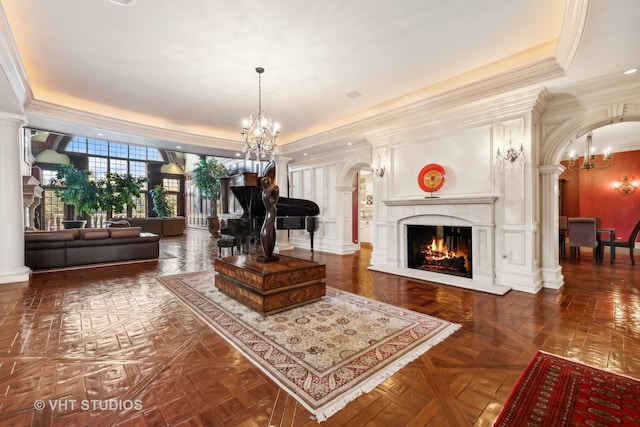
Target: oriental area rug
x: 554, y: 391
x: 326, y: 353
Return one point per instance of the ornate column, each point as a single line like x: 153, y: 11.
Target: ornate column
x: 551, y: 270
x: 282, y: 181
x: 12, y: 268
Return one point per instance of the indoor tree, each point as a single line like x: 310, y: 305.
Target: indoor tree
x: 207, y: 175
x: 161, y: 205
x: 117, y: 191
x: 75, y: 188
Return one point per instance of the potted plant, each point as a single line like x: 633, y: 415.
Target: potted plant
x: 118, y: 191
x: 161, y: 205
x: 75, y: 188
x: 207, y: 175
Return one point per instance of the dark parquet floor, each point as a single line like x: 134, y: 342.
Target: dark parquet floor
x: 74, y: 339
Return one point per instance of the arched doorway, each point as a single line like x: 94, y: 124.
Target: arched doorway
x: 622, y: 135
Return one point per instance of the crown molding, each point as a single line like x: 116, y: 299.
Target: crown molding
x: 58, y: 118
x: 11, y: 64
x: 573, y: 25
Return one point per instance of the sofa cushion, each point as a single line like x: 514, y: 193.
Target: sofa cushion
x: 94, y: 234
x: 50, y: 236
x: 120, y: 233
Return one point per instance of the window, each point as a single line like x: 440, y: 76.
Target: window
x: 47, y: 176
x: 118, y: 166
x: 105, y: 157
x: 98, y: 167
x: 98, y: 148
x: 140, y: 210
x: 113, y: 149
x: 118, y: 150
x: 53, y: 209
x: 172, y: 186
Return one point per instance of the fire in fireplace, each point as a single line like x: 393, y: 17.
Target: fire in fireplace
x: 441, y: 249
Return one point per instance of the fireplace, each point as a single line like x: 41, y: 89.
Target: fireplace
x: 440, y: 249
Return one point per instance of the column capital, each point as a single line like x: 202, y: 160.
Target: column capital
x: 283, y: 159
x: 13, y: 118
x: 551, y: 169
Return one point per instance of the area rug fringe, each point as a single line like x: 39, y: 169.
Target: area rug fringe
x: 325, y: 412
x: 321, y: 412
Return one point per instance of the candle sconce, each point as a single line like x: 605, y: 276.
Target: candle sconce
x: 626, y: 186
x: 378, y: 167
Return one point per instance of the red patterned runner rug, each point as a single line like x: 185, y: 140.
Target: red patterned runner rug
x: 554, y: 391
x: 325, y: 354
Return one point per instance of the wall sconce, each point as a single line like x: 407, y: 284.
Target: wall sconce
x: 509, y: 157
x: 625, y: 186
x: 378, y: 167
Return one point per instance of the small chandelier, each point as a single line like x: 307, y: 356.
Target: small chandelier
x: 259, y: 133
x: 511, y: 156
x: 589, y: 159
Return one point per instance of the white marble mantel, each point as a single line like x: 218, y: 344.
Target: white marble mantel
x: 477, y: 212
x: 427, y: 200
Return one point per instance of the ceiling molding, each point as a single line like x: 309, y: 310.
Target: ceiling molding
x: 573, y: 25
x: 63, y: 119
x: 12, y: 65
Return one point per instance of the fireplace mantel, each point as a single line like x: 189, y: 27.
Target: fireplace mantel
x: 427, y: 200
x: 475, y: 211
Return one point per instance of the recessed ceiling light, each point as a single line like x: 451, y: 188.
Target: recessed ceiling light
x: 349, y: 143
x: 237, y: 154
x: 305, y: 154
x: 123, y: 2
x: 99, y: 134
x: 354, y: 94
x: 178, y: 147
x: 631, y: 71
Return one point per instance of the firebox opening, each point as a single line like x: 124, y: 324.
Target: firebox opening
x: 441, y: 249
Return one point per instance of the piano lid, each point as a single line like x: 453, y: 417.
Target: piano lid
x: 250, y: 198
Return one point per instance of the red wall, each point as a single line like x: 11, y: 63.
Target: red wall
x: 590, y: 193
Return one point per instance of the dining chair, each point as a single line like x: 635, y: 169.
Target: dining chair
x: 629, y: 243
x: 582, y: 233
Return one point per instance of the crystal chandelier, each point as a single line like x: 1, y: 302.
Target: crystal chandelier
x: 259, y: 133
x: 589, y: 159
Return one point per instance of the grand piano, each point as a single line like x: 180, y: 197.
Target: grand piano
x: 292, y: 214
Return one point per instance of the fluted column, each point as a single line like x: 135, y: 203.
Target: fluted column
x: 551, y: 270
x: 12, y: 268
x: 282, y: 181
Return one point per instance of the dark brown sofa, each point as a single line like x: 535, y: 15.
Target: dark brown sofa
x: 65, y: 248
x: 169, y: 226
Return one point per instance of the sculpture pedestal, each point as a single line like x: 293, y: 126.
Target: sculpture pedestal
x: 270, y: 287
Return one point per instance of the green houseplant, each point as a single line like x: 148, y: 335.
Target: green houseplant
x: 160, y: 201
x: 207, y: 175
x: 118, y: 191
x: 75, y: 188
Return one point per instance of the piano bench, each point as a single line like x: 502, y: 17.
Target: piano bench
x: 226, y: 242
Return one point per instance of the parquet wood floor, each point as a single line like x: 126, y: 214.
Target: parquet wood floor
x: 80, y: 337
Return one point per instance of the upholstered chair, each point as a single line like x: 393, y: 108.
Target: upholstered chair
x: 582, y: 233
